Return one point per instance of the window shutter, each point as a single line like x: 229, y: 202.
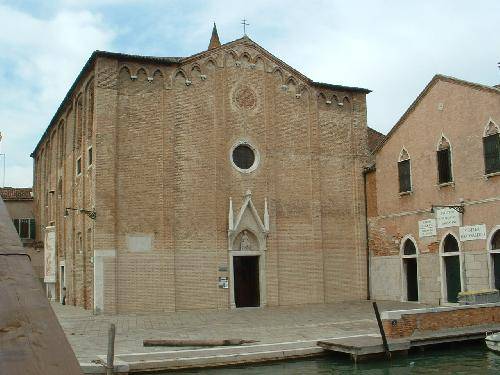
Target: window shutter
x: 491, y: 145
x: 404, y: 176
x: 444, y: 165
x: 32, y: 229
x: 16, y: 224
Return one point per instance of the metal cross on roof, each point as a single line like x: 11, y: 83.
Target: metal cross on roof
x: 245, y: 24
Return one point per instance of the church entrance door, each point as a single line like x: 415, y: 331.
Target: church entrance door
x: 246, y: 281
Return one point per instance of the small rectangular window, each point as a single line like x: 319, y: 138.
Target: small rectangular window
x: 90, y: 156
x: 444, y: 166
x: 404, y: 176
x: 24, y: 228
x: 79, y: 166
x: 491, y: 146
x: 32, y: 229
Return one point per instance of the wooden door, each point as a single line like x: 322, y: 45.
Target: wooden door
x: 246, y: 281
x: 453, y: 284
x: 496, y: 269
x: 411, y: 279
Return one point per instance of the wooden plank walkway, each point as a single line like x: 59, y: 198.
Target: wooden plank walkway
x: 31, y: 340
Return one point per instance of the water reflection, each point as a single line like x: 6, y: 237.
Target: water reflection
x: 460, y: 359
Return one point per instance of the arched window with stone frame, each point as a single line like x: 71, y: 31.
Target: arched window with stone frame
x: 404, y: 172
x: 491, y: 148
x: 443, y: 155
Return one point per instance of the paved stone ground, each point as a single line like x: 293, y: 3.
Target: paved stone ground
x: 87, y: 333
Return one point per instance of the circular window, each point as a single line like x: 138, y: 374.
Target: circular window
x: 244, y: 157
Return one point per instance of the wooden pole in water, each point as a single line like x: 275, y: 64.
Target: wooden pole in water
x: 110, y: 361
x: 382, y: 332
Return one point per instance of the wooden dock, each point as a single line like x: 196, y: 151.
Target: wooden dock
x: 362, y: 348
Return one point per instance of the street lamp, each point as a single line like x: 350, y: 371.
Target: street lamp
x: 91, y: 214
x: 459, y: 207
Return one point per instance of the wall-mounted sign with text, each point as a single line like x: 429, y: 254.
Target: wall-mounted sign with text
x: 447, y: 217
x: 472, y: 232
x: 427, y: 228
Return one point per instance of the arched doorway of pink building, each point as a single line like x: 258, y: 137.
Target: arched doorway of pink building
x: 451, y: 268
x: 493, y: 243
x: 409, y: 268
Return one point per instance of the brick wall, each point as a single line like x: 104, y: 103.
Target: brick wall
x: 162, y: 172
x: 405, y: 324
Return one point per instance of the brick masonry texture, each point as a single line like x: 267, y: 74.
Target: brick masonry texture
x: 410, y: 324
x: 161, y: 136
x: 460, y: 111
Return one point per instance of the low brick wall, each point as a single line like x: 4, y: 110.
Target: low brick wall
x: 404, y: 323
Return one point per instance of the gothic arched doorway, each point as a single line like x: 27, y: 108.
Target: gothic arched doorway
x: 451, y: 260
x: 494, y: 247
x: 410, y: 270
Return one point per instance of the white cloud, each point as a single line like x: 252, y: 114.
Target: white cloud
x: 40, y: 60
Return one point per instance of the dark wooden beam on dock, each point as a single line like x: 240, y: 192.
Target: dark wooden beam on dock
x: 31, y: 340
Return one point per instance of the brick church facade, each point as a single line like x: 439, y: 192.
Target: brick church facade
x: 224, y: 179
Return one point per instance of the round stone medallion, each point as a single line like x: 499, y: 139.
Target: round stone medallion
x: 245, y: 98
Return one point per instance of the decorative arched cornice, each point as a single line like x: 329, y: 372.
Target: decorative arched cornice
x: 443, y: 143
x: 490, y: 128
x: 446, y: 234
x: 142, y: 72
x: 404, y: 154
x: 277, y: 73
x: 495, y: 229
x: 408, y: 237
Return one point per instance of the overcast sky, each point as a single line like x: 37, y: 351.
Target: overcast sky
x: 391, y: 47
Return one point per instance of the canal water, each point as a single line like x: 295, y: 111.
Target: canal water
x: 460, y: 359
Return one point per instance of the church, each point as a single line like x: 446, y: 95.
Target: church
x: 222, y: 180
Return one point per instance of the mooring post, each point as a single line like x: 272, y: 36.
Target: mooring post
x: 110, y: 362
x: 382, y: 332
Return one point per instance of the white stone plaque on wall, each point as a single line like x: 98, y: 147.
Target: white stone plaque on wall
x: 50, y: 255
x: 427, y: 228
x: 447, y: 217
x: 472, y: 232
x: 139, y: 242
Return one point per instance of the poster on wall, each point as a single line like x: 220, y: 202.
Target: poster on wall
x: 427, y: 228
x: 447, y: 217
x: 50, y: 255
x: 472, y: 232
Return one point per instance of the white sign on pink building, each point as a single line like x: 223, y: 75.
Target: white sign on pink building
x: 472, y: 232
x: 50, y: 255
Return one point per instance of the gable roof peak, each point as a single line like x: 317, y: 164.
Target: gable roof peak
x: 214, y: 39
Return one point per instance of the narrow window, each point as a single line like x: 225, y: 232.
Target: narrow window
x: 444, y: 161
x: 491, y: 147
x: 404, y: 172
x: 32, y: 229
x: 79, y: 166
x: 90, y: 156
x: 24, y: 228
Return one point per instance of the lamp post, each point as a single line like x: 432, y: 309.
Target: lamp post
x: 92, y: 214
x: 457, y: 207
